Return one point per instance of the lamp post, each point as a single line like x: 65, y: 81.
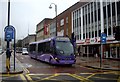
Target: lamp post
x: 55, y: 14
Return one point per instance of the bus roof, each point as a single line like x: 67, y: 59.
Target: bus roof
x: 45, y: 40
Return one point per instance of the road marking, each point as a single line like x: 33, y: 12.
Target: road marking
x: 22, y: 77
x: 28, y: 77
x: 80, y: 78
x: 118, y: 79
x: 23, y: 66
x: 26, y: 70
x: 38, y: 74
x: 48, y: 78
x: 90, y: 76
x: 9, y: 75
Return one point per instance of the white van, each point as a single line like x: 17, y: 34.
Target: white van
x: 24, y: 51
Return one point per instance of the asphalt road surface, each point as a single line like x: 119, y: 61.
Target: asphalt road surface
x: 38, y: 71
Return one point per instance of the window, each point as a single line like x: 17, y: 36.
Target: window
x: 104, y: 12
x: 32, y: 47
x: 98, y: 14
x: 113, y: 9
x: 118, y: 7
x: 109, y: 31
x: 66, y: 19
x: 62, y: 22
x: 108, y: 10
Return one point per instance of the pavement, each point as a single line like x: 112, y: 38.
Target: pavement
x: 94, y: 62
x: 3, y: 70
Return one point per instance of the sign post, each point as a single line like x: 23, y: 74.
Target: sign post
x: 103, y: 41
x: 9, y: 35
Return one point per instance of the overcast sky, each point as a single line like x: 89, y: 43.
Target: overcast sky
x: 28, y: 13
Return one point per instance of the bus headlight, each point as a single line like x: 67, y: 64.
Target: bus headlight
x: 56, y: 58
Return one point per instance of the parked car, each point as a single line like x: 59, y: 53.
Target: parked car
x: 24, y: 51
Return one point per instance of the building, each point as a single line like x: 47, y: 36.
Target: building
x: 43, y: 29
x: 92, y: 19
x: 28, y: 39
x: 64, y: 22
x: 0, y: 41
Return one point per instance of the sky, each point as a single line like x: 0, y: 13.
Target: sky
x: 26, y: 14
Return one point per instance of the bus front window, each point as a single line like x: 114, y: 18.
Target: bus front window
x: 64, y: 47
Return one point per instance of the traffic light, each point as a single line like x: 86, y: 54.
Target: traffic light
x: 117, y: 33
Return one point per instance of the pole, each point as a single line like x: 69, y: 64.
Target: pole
x: 101, y: 55
x: 8, y: 42
x: 56, y: 17
x: 14, y: 47
x: 8, y: 12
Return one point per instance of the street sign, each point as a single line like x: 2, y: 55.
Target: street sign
x: 103, y: 38
x: 9, y: 33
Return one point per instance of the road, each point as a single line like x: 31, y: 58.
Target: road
x: 38, y: 71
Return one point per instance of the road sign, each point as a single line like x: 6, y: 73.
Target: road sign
x: 103, y: 38
x: 9, y: 33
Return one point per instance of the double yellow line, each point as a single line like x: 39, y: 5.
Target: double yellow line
x: 22, y: 66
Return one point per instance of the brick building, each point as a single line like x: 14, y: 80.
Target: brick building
x: 43, y: 29
x: 64, y: 21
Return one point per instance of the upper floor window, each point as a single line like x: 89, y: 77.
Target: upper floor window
x: 61, y: 22
x: 66, y: 19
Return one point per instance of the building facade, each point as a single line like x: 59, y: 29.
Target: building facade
x: 92, y: 19
x: 64, y: 22
x: 43, y: 29
x: 28, y: 39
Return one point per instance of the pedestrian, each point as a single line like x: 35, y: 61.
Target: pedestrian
x: 8, y: 55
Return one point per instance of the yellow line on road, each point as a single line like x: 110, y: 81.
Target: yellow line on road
x: 22, y: 66
x: 118, y: 79
x: 48, y: 78
x: 38, y: 74
x: 28, y: 77
x: 80, y: 78
x: 90, y: 76
x: 9, y: 75
x: 23, y: 77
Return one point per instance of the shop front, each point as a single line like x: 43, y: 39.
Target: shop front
x: 91, y: 48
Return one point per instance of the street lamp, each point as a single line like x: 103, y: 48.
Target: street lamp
x: 55, y: 14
